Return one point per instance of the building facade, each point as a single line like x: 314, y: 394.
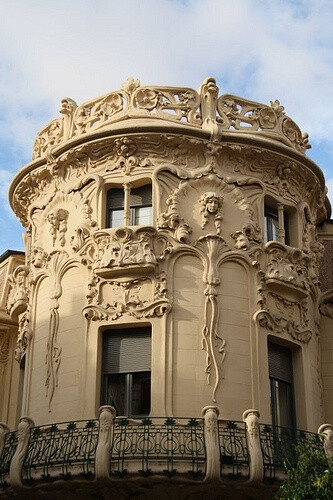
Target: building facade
x: 174, y: 242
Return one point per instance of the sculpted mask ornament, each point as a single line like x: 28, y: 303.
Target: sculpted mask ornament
x: 38, y: 257
x: 58, y: 221
x: 211, y: 204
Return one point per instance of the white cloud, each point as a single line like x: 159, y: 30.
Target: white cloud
x: 83, y: 48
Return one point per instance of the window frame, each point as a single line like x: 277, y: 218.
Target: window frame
x: 128, y: 207
x: 281, y: 218
x: 287, y: 382
x: 129, y: 375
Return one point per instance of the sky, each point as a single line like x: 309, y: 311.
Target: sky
x: 258, y: 49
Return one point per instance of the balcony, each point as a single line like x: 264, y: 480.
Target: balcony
x: 110, y: 448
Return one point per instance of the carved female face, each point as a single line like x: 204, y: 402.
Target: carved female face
x: 212, y: 205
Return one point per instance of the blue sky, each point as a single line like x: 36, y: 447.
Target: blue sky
x: 260, y: 49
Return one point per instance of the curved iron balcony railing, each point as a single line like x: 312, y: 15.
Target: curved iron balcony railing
x: 164, y: 446
x: 173, y: 108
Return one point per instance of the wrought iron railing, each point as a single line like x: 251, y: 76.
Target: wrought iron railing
x: 149, y: 446
x: 6, y: 457
x: 59, y: 450
x: 278, y: 446
x: 159, y: 445
x: 234, y: 455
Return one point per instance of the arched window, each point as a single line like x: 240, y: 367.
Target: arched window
x: 128, y: 206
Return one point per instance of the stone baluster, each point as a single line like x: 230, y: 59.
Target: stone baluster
x: 23, y: 435
x: 326, y: 431
x: 210, y: 414
x: 106, y: 422
x: 4, y: 429
x: 251, y: 419
x: 208, y: 97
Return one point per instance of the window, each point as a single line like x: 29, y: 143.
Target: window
x: 276, y: 224
x: 129, y: 206
x: 281, y: 383
x: 126, y: 370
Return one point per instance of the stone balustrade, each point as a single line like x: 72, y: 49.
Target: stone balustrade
x: 160, y: 106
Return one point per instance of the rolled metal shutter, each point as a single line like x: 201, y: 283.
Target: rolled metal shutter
x: 280, y: 362
x: 127, y: 350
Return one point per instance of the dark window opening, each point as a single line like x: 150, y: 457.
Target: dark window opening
x: 136, y: 209
x: 281, y: 384
x: 127, y: 371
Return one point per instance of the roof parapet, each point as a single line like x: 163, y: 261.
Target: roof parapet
x: 199, y: 110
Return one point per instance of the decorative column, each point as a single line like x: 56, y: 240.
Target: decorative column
x: 210, y: 414
x: 23, y: 434
x: 127, y: 209
x: 102, y: 461
x: 251, y: 418
x: 4, y: 429
x: 281, y: 231
x: 326, y: 431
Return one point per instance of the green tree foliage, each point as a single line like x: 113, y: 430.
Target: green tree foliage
x: 310, y: 477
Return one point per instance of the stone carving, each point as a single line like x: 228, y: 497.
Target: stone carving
x: 211, y: 341
x: 251, y: 418
x: 211, y: 414
x: 125, y: 248
x: 124, y: 156
x: 287, y: 266
x: 17, y: 299
x: 211, y: 204
x: 24, y: 335
x: 249, y: 236
x: 58, y: 222
x: 144, y: 297
x: 326, y: 431
x: 107, y: 415
x: 182, y: 105
x: 53, y: 350
x: 4, y: 346
x: 38, y: 257
x: 23, y: 435
x: 242, y: 114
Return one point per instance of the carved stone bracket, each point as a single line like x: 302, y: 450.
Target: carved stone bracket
x: 123, y: 249
x: 287, y: 268
x: 17, y: 300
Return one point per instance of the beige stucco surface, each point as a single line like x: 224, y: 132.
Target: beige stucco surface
x: 201, y: 275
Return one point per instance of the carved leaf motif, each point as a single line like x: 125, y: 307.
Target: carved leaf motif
x: 4, y: 346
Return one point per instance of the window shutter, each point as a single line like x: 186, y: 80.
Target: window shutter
x: 280, y: 362
x: 115, y: 198
x: 126, y: 351
x: 141, y: 196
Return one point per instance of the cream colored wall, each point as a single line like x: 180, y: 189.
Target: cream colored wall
x: 66, y: 402
x: 235, y: 393
x: 190, y: 392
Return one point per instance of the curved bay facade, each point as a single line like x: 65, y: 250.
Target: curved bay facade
x: 172, y: 262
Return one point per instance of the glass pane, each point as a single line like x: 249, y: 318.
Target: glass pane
x: 282, y: 403
x: 116, y: 218
x: 140, y: 393
x: 115, y: 392
x: 143, y: 216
